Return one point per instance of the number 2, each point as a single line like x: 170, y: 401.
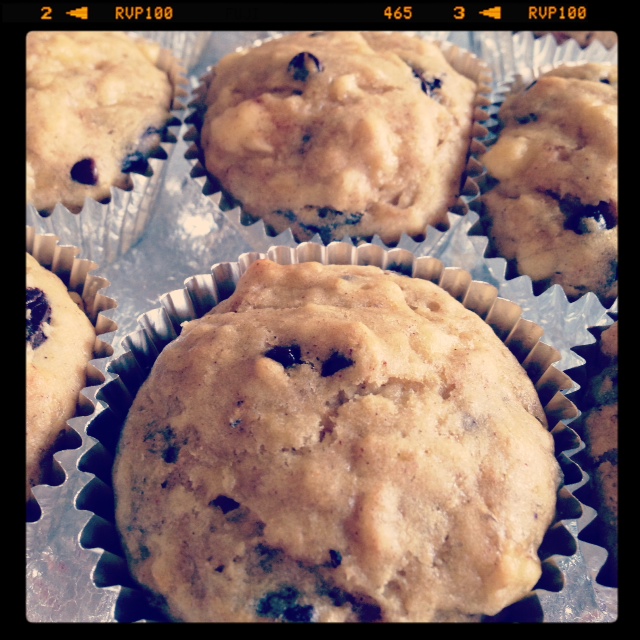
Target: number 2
x: 46, y: 13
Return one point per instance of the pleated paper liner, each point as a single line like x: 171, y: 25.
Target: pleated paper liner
x: 120, y: 221
x: 77, y: 275
x: 259, y: 235
x: 566, y: 589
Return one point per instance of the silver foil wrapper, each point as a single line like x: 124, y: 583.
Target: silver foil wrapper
x: 508, y: 53
x: 530, y: 52
x: 186, y: 46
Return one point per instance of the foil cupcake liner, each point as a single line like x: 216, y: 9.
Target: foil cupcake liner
x: 186, y: 46
x: 123, y: 219
x: 566, y: 590
x: 508, y: 53
x: 530, y: 52
x: 254, y: 230
x: 77, y: 275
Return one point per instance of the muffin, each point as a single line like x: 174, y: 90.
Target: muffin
x: 97, y: 104
x: 60, y: 342
x: 553, y: 213
x: 329, y: 444
x: 341, y: 134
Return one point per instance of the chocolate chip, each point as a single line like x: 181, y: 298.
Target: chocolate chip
x: 288, y: 214
x: 225, y: 504
x: 613, y: 274
x: 353, y: 218
x: 366, y: 610
x: 282, y: 605
x: 287, y: 356
x: 610, y: 456
x: 605, y: 80
x: 337, y: 596
x: 38, y: 314
x: 336, y: 558
x: 302, y: 65
x: 298, y: 613
x: 163, y: 443
x: 170, y: 454
x: 323, y: 212
x: 531, y: 117
x: 432, y: 86
x: 577, y: 215
x: 428, y: 86
x: 85, y: 171
x: 335, y: 363
x: 336, y: 219
x: 306, y: 139
x: 135, y: 162
x: 274, y: 604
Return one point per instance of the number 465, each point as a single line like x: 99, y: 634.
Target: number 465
x: 399, y: 13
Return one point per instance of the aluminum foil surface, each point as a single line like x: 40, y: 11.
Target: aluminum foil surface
x: 74, y: 567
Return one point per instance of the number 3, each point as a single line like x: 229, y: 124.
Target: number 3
x: 458, y: 13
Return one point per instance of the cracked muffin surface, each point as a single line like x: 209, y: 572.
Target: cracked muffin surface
x: 554, y: 210
x: 340, y: 133
x: 331, y: 444
x: 96, y: 104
